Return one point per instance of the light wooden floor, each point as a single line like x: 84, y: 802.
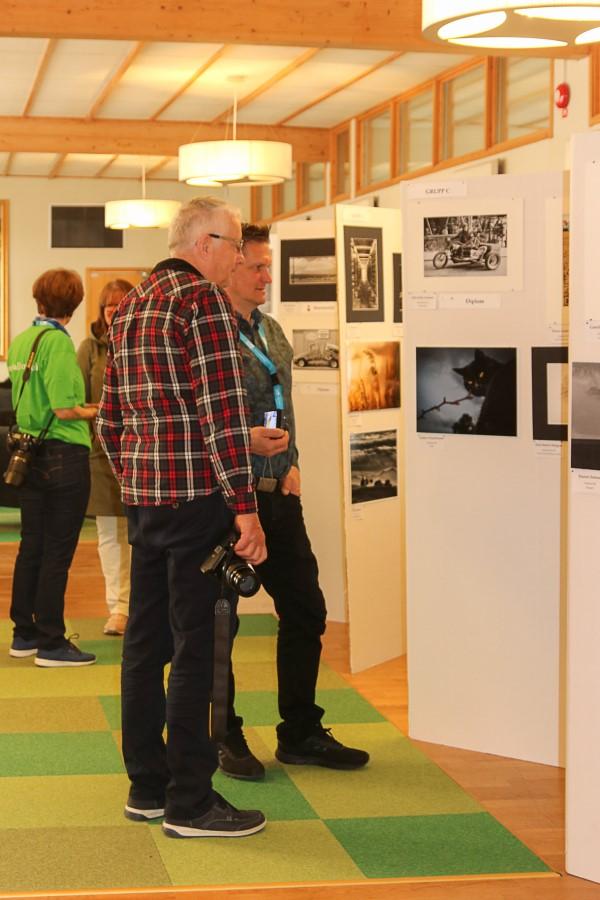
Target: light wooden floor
x: 526, y: 798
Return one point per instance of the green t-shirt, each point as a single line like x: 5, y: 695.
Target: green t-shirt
x: 55, y: 382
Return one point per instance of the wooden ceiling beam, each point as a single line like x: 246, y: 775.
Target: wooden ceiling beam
x: 54, y: 171
x: 371, y: 24
x: 115, y: 78
x: 275, y: 79
x: 341, y: 87
x: 39, y: 75
x: 154, y: 169
x: 190, y: 81
x: 137, y: 136
x: 106, y: 166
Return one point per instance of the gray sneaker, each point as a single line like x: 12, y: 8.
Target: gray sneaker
x: 66, y: 655
x: 221, y: 820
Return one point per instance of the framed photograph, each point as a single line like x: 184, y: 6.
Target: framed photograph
x: 456, y: 245
x: 464, y: 390
x: 398, y: 305
x: 549, y: 391
x: 373, y: 375
x: 374, y: 466
x: 363, y: 254
x: 316, y: 348
x: 3, y: 278
x: 308, y: 270
x: 585, y: 416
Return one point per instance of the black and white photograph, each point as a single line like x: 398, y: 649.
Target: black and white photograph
x: 374, y: 465
x: 464, y: 390
x: 364, y: 274
x: 549, y: 391
x: 316, y: 348
x: 308, y: 270
x: 458, y: 246
x: 585, y: 416
x: 373, y: 375
x: 398, y: 304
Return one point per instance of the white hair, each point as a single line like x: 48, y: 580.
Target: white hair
x: 194, y: 217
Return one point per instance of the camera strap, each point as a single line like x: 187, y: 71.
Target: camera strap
x: 26, y: 377
x: 221, y: 661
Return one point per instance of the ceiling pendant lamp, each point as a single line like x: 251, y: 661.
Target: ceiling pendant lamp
x: 233, y: 162
x: 141, y: 213
x: 512, y: 25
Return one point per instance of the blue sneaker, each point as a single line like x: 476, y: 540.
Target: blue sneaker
x: 67, y: 655
x: 20, y: 647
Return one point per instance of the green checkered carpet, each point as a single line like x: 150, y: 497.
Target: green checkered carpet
x: 63, y: 789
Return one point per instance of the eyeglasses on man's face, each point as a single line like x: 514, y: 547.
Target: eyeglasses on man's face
x: 223, y: 237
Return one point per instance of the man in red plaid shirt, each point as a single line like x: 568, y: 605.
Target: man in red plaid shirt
x: 172, y: 420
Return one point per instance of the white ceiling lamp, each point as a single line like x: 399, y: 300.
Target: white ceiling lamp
x: 141, y: 213
x: 512, y: 25
x: 233, y: 162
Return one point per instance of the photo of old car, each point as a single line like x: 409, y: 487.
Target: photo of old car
x: 322, y: 357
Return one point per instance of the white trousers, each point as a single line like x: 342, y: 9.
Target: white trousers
x: 115, y: 560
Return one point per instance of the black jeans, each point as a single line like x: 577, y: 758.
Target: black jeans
x: 53, y: 501
x: 171, y: 619
x: 290, y: 575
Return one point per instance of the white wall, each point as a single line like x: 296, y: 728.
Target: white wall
x: 29, y: 251
x: 483, y: 513
x: 583, y: 659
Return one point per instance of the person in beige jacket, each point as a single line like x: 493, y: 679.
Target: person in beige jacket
x: 105, y: 497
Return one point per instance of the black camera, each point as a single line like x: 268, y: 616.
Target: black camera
x: 22, y: 448
x: 234, y: 572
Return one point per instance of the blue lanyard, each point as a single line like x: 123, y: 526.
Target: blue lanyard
x: 267, y: 363
x: 41, y: 320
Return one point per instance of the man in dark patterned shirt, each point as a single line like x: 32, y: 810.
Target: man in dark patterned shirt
x: 173, y: 422
x: 290, y: 573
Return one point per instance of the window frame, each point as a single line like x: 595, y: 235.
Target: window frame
x: 374, y: 113
x: 334, y: 134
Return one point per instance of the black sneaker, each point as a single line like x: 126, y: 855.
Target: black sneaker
x: 221, y: 820
x: 142, y: 810
x: 237, y: 760
x: 321, y: 749
x: 66, y: 655
x: 21, y: 647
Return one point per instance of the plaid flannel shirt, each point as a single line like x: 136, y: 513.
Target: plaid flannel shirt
x: 172, y: 417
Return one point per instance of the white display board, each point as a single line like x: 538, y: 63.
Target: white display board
x: 369, y: 245
x: 309, y: 326
x: 583, y: 656
x: 483, y: 497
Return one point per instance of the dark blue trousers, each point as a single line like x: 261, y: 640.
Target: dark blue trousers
x: 53, y: 501
x: 290, y: 575
x: 171, y: 619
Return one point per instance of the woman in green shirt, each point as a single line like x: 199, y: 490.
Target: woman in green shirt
x: 54, y: 495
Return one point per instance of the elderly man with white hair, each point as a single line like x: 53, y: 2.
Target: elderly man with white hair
x: 173, y: 422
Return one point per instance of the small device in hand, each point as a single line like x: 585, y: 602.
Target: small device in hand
x: 273, y: 418
x: 234, y: 572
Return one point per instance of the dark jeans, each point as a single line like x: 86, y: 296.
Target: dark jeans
x: 171, y: 619
x: 291, y: 576
x: 53, y: 501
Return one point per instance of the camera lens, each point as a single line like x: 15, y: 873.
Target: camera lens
x: 18, y: 466
x: 242, y: 578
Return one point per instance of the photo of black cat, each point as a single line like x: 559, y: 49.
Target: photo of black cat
x: 467, y: 391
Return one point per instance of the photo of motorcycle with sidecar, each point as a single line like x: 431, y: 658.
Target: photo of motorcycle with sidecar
x: 474, y: 252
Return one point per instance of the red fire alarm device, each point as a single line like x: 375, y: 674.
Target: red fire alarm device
x: 562, y: 95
